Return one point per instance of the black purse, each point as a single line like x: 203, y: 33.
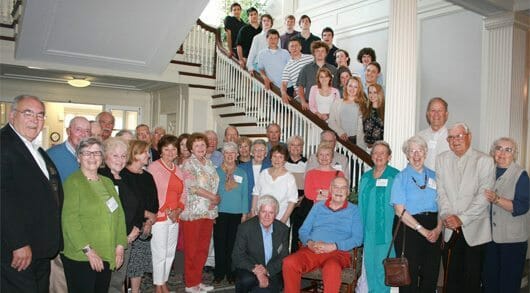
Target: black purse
x: 397, y: 269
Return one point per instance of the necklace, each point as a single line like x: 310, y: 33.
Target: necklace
x: 169, y: 168
x: 424, y: 184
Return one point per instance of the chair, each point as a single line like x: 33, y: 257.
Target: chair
x: 349, y: 275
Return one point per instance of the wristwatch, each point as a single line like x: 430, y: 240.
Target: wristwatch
x: 87, y: 249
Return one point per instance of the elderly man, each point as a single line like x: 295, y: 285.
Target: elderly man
x: 340, y: 161
x: 143, y: 134
x: 462, y: 176
x: 63, y: 155
x: 261, y: 244
x: 106, y: 121
x: 332, y: 228
x: 436, y: 134
x: 31, y: 201
x: 211, y: 152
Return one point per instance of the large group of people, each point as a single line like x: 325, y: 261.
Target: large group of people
x: 92, y: 212
x: 312, y: 71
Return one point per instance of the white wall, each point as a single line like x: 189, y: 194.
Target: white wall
x: 450, y: 65
x: 52, y: 92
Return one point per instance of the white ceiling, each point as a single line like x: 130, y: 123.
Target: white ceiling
x: 123, y: 35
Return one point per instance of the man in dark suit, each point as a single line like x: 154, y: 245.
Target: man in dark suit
x: 31, y: 200
x: 261, y: 245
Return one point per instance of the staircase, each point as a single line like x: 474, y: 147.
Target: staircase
x: 242, y: 101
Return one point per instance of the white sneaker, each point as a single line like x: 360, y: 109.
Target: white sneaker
x: 205, y: 287
x: 196, y: 289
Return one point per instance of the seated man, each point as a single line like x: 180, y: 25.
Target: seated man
x: 261, y: 244
x: 332, y: 228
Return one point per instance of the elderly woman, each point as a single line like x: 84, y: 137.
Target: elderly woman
x: 322, y: 95
x: 296, y: 165
x: 125, y: 134
x: 377, y: 215
x: 93, y: 223
x: 255, y: 166
x: 201, y: 183
x: 345, y: 117
x: 183, y: 152
x: 414, y: 198
x: 169, y: 185
x: 115, y: 159
x: 143, y: 184
x: 373, y: 121
x: 505, y: 255
x: 278, y: 182
x: 233, y: 208
x: 244, y: 144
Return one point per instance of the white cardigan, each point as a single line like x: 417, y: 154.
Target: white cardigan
x: 334, y: 122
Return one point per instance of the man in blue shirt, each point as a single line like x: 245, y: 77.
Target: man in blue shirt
x: 332, y: 228
x: 63, y: 155
x: 272, y: 60
x: 261, y: 244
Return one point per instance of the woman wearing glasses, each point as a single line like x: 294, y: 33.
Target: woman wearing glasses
x: 93, y: 223
x: 414, y: 197
x: 505, y: 254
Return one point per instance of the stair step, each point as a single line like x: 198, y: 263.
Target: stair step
x: 200, y: 86
x: 196, y: 74
x: 236, y: 114
x: 243, y: 124
x: 185, y: 63
x: 218, y: 96
x: 222, y: 105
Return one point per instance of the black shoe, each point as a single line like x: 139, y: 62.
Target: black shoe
x: 231, y: 280
x: 218, y: 280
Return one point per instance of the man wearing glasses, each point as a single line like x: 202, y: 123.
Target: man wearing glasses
x: 31, y: 201
x: 462, y: 176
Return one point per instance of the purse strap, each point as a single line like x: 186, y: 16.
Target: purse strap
x: 394, y: 237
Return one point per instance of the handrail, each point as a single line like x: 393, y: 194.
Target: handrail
x: 359, y: 152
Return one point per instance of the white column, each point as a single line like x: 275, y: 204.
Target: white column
x: 505, y: 81
x: 401, y: 77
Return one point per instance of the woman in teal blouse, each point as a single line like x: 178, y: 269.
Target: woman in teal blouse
x: 93, y: 224
x: 377, y: 215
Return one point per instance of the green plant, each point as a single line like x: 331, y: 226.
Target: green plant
x: 245, y: 4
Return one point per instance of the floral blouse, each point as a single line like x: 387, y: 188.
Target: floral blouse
x: 198, y: 175
x: 373, y: 127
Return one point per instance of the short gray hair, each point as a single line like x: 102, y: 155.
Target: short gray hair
x: 230, y: 147
x: 294, y: 138
x: 113, y: 143
x: 88, y: 142
x: 265, y: 200
x: 416, y: 139
x: 258, y: 141
x: 19, y: 98
x: 508, y: 139
x: 460, y: 124
x: 383, y: 143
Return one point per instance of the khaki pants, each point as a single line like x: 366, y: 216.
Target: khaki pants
x: 57, y: 279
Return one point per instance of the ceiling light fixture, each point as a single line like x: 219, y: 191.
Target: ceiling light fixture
x: 79, y: 82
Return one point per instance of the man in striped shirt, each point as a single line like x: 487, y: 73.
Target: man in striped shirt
x: 292, y: 69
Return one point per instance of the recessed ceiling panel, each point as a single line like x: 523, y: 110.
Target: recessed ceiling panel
x: 130, y: 35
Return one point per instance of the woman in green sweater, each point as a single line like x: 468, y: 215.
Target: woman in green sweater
x: 93, y: 224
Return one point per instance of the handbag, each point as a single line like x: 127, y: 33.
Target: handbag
x: 397, y: 269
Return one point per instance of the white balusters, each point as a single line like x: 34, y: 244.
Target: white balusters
x: 265, y: 106
x: 199, y: 47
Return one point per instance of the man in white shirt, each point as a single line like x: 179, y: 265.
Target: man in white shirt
x: 259, y: 42
x: 436, y: 134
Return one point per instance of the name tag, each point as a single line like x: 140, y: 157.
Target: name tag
x: 431, y: 183
x: 338, y: 167
x: 112, y: 204
x: 381, y: 182
x: 238, y: 179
